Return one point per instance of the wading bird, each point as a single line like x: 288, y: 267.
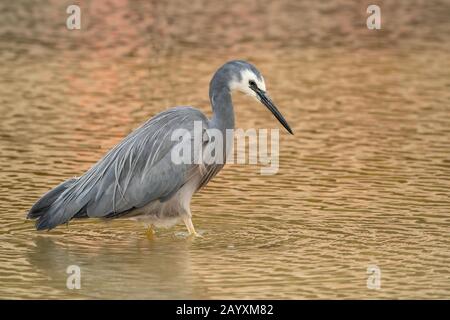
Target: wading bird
x: 138, y: 178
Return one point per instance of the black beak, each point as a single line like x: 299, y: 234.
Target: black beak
x: 271, y: 106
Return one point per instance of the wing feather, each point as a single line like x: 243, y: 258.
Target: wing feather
x: 132, y: 174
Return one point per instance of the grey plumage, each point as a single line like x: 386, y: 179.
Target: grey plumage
x: 137, y: 177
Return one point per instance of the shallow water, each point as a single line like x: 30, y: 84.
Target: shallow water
x: 364, y: 181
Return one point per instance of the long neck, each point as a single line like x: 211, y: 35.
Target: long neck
x: 222, y: 106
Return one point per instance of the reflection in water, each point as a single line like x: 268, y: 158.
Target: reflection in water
x: 160, y: 269
x: 364, y: 181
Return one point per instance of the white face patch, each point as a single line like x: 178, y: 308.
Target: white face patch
x: 243, y: 85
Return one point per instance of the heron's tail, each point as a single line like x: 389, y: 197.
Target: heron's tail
x: 45, y: 210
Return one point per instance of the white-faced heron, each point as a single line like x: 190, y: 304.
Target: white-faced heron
x: 138, y: 178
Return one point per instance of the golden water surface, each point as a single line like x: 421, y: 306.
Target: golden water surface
x: 364, y: 181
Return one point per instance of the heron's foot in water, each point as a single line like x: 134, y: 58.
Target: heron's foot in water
x: 150, y: 233
x: 191, y: 229
x: 195, y: 235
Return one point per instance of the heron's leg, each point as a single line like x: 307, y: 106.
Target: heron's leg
x: 189, y: 225
x: 150, y: 232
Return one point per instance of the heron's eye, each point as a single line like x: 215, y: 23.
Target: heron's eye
x: 252, y: 83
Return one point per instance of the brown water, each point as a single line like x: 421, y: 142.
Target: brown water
x: 365, y: 180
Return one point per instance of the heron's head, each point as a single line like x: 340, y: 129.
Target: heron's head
x: 242, y: 76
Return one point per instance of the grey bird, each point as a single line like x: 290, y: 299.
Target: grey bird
x: 139, y: 179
